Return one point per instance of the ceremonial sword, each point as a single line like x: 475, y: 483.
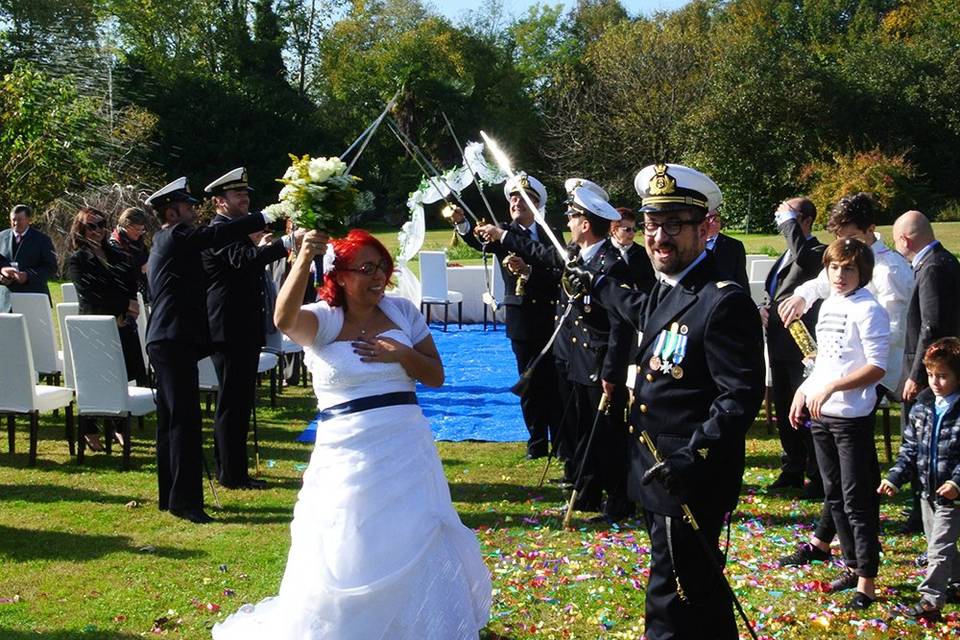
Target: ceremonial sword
x: 601, y: 409
x: 698, y: 534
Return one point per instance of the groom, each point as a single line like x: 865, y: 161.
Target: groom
x: 699, y: 381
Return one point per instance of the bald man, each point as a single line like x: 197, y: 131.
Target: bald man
x: 932, y: 312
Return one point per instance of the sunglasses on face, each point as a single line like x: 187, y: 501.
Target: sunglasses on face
x: 94, y: 226
x: 670, y: 227
x: 370, y: 268
x: 627, y: 229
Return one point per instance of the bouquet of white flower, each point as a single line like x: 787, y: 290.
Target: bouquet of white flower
x: 318, y: 193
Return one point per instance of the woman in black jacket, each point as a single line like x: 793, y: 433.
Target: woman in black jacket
x: 106, y: 285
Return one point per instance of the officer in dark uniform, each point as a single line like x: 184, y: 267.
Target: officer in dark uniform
x: 595, y: 367
x: 529, y: 301
x: 235, y: 304
x: 622, y: 234
x: 179, y: 336
x: 699, y: 381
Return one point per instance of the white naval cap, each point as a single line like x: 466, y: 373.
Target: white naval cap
x: 173, y: 192
x: 585, y: 200
x: 236, y: 179
x: 669, y: 187
x: 572, y: 183
x: 529, y: 184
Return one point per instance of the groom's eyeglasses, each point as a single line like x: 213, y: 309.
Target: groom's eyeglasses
x: 370, y: 268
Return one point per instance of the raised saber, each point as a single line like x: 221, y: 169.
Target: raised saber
x: 427, y: 167
x: 698, y: 534
x: 466, y: 163
x: 372, y: 130
x: 504, y: 163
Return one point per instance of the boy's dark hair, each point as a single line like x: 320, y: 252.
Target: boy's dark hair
x: 946, y: 352
x: 851, y: 251
x: 860, y: 210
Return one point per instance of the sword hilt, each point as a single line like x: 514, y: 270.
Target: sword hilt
x: 687, y: 513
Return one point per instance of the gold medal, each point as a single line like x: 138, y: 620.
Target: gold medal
x: 676, y: 372
x: 656, y: 363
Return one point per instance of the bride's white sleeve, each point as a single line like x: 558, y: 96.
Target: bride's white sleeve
x: 329, y: 322
x: 408, y: 318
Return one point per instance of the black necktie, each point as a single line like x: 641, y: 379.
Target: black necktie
x: 660, y: 291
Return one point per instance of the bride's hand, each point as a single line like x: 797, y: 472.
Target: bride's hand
x: 379, y: 349
x: 314, y: 244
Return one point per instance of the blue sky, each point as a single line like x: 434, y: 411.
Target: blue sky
x: 455, y: 8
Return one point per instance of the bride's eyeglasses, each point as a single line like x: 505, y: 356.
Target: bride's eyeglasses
x: 370, y: 268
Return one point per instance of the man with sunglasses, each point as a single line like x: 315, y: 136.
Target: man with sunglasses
x: 698, y: 382
x: 235, y: 307
x: 530, y: 297
x: 623, y: 232
x: 178, y: 336
x: 27, y: 258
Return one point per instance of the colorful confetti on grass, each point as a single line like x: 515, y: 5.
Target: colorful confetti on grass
x: 589, y: 583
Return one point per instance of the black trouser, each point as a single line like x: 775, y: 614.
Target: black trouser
x: 851, y: 472
x: 179, y: 436
x: 798, y: 454
x: 707, y: 612
x: 565, y: 445
x: 538, y: 403
x: 237, y: 376
x: 132, y: 355
x: 606, y: 464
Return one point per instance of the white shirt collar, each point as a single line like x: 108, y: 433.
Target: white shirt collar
x: 532, y: 229
x: 945, y: 402
x: 674, y: 280
x: 917, y: 259
x: 586, y: 254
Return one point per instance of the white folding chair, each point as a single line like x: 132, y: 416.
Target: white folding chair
x: 19, y: 393
x: 758, y: 291
x: 69, y: 292
x: 433, y: 285
x: 101, y: 377
x: 65, y: 309
x: 289, y: 366
x: 268, y: 362
x: 760, y: 268
x: 499, y: 289
x: 207, y: 374
x: 35, y: 308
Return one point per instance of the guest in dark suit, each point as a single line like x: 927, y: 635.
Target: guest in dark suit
x: 235, y: 304
x: 128, y: 238
x: 932, y: 313
x: 106, y: 285
x: 622, y: 234
x: 179, y: 336
x: 729, y: 254
x: 31, y: 260
x: 529, y: 302
x: 698, y: 388
x: 802, y: 261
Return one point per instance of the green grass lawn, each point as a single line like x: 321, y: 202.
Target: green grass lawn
x: 84, y: 552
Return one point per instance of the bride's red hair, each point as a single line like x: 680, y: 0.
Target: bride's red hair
x: 346, y: 249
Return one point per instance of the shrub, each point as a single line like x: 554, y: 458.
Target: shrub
x: 891, y: 178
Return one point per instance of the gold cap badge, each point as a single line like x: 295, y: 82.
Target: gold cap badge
x: 662, y: 182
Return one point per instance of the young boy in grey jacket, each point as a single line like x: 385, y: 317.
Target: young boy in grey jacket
x: 931, y: 446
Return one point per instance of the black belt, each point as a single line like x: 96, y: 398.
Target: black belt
x: 368, y: 402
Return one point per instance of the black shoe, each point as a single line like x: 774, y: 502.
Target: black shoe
x: 786, y: 481
x: 911, y: 526
x: 812, y: 491
x: 848, y: 580
x: 198, y: 516
x: 925, y: 610
x: 534, y: 454
x: 860, y: 601
x: 247, y: 485
x: 805, y: 554
x: 953, y: 593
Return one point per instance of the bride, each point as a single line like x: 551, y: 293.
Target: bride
x: 377, y: 550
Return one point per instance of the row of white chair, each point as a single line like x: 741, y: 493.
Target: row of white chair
x: 94, y: 372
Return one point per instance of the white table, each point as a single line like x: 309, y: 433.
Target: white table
x: 469, y: 281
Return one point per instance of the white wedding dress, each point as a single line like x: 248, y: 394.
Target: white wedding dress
x: 377, y: 550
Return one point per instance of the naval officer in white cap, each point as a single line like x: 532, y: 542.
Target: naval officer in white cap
x: 235, y: 308
x: 698, y: 384
x: 178, y: 337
